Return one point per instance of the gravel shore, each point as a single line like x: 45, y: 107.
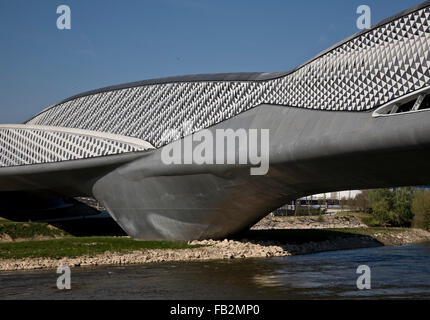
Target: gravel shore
x: 304, y: 222
x: 228, y: 249
x: 212, y: 250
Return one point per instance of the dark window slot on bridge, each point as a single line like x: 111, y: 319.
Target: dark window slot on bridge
x: 426, y: 103
x: 406, y: 107
x: 421, y: 102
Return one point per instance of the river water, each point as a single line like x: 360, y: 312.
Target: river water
x: 396, y: 272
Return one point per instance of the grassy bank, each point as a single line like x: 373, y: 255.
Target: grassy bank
x: 20, y: 230
x: 299, y: 236
x: 366, y: 218
x: 40, y: 245
x: 94, y: 251
x: 76, y: 247
x: 91, y: 246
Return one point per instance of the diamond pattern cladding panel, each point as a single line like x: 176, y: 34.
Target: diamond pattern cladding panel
x: 24, y: 146
x: 363, y: 73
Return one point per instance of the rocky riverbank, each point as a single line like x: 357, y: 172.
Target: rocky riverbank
x: 271, y: 237
x: 327, y: 240
x: 210, y: 250
x: 308, y: 222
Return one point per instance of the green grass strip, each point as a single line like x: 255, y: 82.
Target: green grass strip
x: 28, y: 230
x: 75, y: 247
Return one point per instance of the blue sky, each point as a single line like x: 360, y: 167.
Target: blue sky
x: 113, y: 42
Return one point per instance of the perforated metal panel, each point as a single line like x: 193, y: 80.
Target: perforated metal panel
x: 21, y: 146
x: 363, y: 73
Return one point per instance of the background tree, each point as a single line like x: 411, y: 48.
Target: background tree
x: 421, y: 209
x: 392, y: 207
x: 361, y: 202
x: 402, y: 206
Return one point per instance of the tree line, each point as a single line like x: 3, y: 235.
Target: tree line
x: 395, y: 207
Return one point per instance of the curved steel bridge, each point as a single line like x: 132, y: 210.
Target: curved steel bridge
x: 356, y: 116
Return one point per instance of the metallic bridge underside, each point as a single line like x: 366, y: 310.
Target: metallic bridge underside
x: 354, y: 117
